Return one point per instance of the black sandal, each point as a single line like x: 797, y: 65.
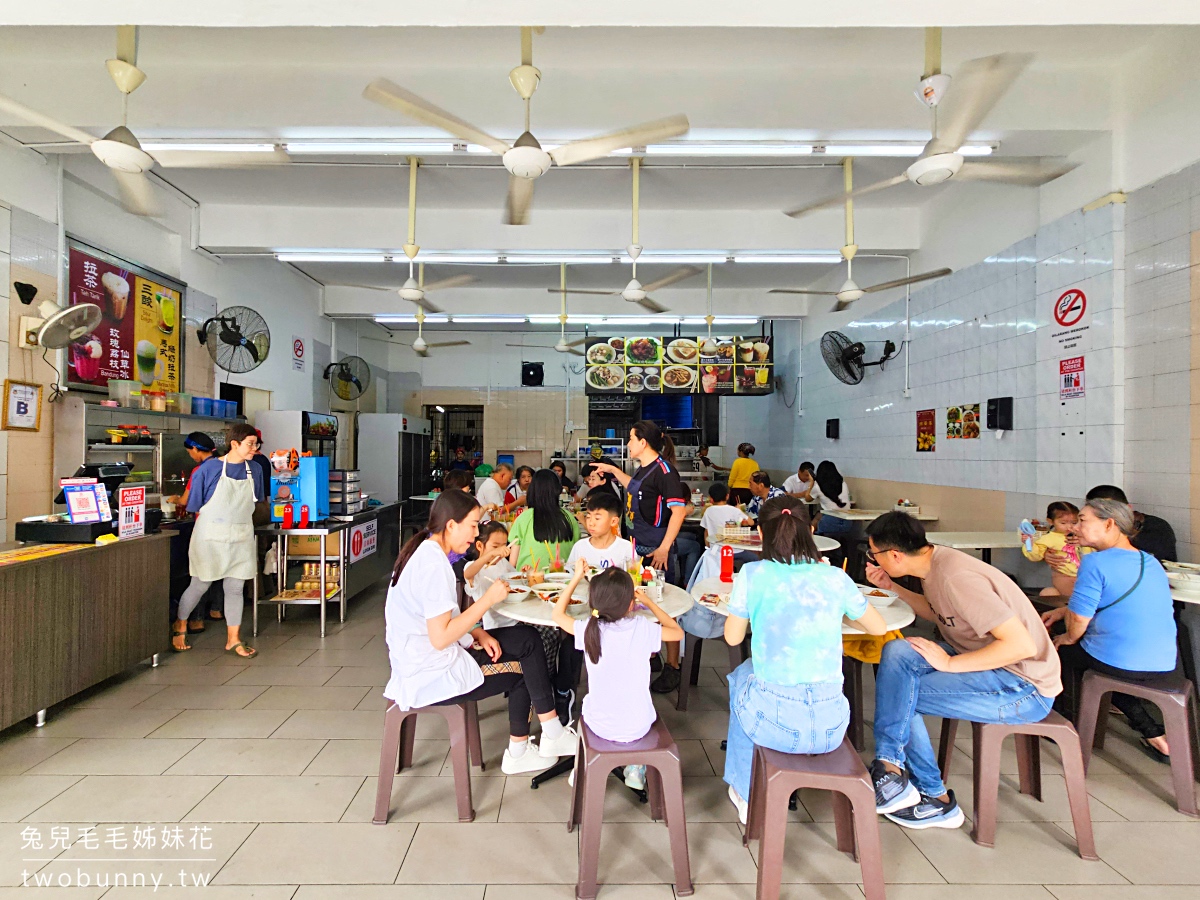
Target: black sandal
x: 249, y: 654
x: 1154, y: 753
x: 182, y: 634
x: 191, y: 630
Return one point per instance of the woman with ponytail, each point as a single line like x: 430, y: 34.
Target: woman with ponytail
x: 440, y: 655
x: 788, y: 696
x: 617, y: 645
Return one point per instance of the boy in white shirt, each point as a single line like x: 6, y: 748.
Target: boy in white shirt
x: 717, y: 516
x: 800, y: 484
x: 602, y: 548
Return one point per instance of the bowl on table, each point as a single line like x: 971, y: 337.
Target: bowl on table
x: 878, y: 596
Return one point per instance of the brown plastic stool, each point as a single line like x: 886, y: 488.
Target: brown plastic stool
x: 691, y: 649
x: 399, y: 732
x: 852, y: 687
x: 986, y: 739
x: 594, y: 760
x: 1174, y: 696
x: 775, y: 776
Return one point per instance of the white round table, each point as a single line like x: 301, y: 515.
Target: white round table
x: 896, y: 616
x: 824, y: 544
x: 535, y: 611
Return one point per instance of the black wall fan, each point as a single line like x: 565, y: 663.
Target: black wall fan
x: 349, y: 377
x: 237, y: 339
x: 845, y: 357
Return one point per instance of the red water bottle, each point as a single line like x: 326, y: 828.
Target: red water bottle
x: 304, y: 516
x: 288, y: 519
x: 726, y: 563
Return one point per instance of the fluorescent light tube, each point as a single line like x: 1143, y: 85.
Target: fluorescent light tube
x: 334, y: 148
x: 151, y: 147
x: 735, y: 320
x: 547, y: 319
x: 410, y: 320
x: 700, y: 257
x: 551, y: 259
x: 450, y: 257
x: 487, y: 320
x: 897, y: 148
x: 751, y: 257
x: 723, y: 148
x: 332, y: 257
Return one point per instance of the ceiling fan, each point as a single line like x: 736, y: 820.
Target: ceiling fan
x: 120, y: 151
x: 563, y: 345
x: 421, y: 347
x: 980, y: 84
x: 850, y: 291
x: 524, y: 158
x: 635, y: 291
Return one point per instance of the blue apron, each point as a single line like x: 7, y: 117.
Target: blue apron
x: 646, y: 536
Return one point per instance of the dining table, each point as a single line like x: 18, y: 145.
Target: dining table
x: 533, y: 610
x: 870, y: 515
x: 983, y: 541
x: 896, y: 615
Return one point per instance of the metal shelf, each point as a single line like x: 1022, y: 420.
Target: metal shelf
x: 125, y: 448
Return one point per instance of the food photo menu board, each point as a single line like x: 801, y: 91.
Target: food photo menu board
x: 138, y: 335
x: 683, y: 365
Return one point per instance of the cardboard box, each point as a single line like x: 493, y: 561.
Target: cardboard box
x: 310, y: 545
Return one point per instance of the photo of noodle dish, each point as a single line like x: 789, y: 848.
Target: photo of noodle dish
x: 605, y: 378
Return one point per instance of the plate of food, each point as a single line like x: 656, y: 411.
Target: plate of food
x: 605, y: 378
x: 598, y: 354
x: 678, y: 377
x: 643, y: 350
x: 634, y: 382
x: 712, y: 601
x: 683, y: 350
x: 558, y: 577
x: 878, y: 596
x: 548, y: 591
x: 618, y: 345
x: 652, y: 383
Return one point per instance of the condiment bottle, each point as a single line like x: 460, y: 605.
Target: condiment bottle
x: 726, y: 563
x: 288, y: 520
x: 304, y: 516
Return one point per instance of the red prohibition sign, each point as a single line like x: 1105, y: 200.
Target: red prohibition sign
x: 298, y: 348
x: 1070, y: 307
x: 356, y: 542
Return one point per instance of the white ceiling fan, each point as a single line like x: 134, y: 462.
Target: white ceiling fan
x: 524, y: 158
x: 635, y: 291
x: 421, y: 347
x: 979, y: 86
x: 850, y: 291
x: 120, y: 151
x: 563, y: 345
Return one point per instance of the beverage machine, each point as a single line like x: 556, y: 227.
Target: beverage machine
x: 305, y: 432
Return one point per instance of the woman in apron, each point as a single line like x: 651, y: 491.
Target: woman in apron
x: 223, y: 495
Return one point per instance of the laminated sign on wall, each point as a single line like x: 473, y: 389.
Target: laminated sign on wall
x: 131, y: 504
x: 926, y: 430
x: 363, y: 540
x: 1070, y: 321
x: 1070, y: 378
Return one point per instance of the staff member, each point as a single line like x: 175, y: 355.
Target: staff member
x: 199, y: 447
x: 655, y: 506
x: 739, y: 474
x: 222, y: 547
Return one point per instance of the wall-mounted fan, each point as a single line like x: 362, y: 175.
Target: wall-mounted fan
x: 844, y: 357
x: 349, y: 377
x: 56, y: 326
x: 236, y: 338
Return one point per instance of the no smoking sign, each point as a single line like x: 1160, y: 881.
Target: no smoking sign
x: 297, y: 353
x: 1070, y: 307
x: 1071, y: 322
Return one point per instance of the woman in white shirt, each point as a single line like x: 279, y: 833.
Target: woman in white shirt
x: 832, y: 492
x: 440, y: 655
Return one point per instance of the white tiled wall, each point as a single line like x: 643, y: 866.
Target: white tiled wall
x: 5, y: 288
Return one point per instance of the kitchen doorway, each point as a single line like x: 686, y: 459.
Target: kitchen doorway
x: 453, y: 428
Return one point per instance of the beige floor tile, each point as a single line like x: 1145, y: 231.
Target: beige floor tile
x: 121, y: 695
x: 283, y: 656
x: 224, y: 723
x: 332, y: 725
x: 552, y: 802
x: 1025, y: 853
x: 20, y: 795
x: 716, y: 756
x: 1013, y: 806
x: 811, y: 856
x: 127, y: 798
x: 248, y: 756
x: 373, y: 700
x: 707, y: 800
x: 211, y: 892
x: 53, y: 893
x: 975, y: 892
x: 289, y: 675
x: 1121, y: 892
x: 362, y: 758
x: 391, y: 892
x: 364, y: 657
x: 434, y: 856
x: 349, y: 854
x: 277, y: 798
x: 712, y: 724
x: 190, y: 674
x: 701, y: 697
x: 786, y: 892
x: 309, y: 697
x: 1138, y: 789
x: 115, y: 756
x: 960, y: 763
x: 695, y: 760
x: 427, y: 799
x: 106, y: 723
x: 1151, y: 852
x: 180, y: 696
x: 17, y: 857
x: 354, y: 639
x: 21, y: 753
x: 638, y: 854
x: 567, y: 892
x: 361, y: 676
x: 199, y: 655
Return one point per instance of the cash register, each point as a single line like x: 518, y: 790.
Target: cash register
x: 57, y: 528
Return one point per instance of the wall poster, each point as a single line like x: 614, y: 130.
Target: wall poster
x: 926, y: 430
x: 962, y: 422
x: 138, y: 337
x: 683, y: 365
x: 1071, y: 383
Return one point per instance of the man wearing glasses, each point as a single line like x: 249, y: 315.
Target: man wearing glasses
x: 995, y: 663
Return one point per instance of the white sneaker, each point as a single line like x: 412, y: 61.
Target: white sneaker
x: 741, y: 804
x: 635, y: 777
x: 529, y: 761
x: 564, y: 745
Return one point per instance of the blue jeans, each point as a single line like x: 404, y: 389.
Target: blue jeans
x: 702, y: 623
x: 689, y: 551
x: 831, y: 525
x: 907, y: 686
x: 802, y: 718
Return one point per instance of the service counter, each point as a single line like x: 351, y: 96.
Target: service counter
x: 72, y: 615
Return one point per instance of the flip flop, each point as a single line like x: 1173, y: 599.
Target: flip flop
x: 182, y: 634
x: 1154, y: 753
x: 248, y: 655
x: 216, y: 615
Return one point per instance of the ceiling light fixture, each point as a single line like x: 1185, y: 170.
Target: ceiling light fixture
x: 229, y: 147
x: 410, y: 320
x: 819, y: 257
x: 551, y: 258
x: 381, y: 148
x: 678, y: 257
x: 450, y: 257
x: 486, y: 320
x: 332, y: 257
x: 440, y: 409
x: 896, y: 148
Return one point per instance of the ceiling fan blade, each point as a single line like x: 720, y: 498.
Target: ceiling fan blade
x: 634, y: 136
x: 391, y: 95
x: 647, y: 303
x: 839, y: 199
x: 797, y: 291
x: 520, y: 198
x: 137, y: 193
x: 576, y: 352
x: 901, y: 282
x: 977, y: 86
x: 578, y: 343
x: 1031, y: 172
x: 539, y: 346
x: 583, y: 291
x: 218, y: 159
x: 448, y: 344
x: 33, y: 117
x: 841, y: 305
x: 677, y: 275
x: 451, y: 282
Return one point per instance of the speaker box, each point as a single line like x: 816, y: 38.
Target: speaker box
x: 532, y: 374
x: 833, y: 428
x: 1000, y: 414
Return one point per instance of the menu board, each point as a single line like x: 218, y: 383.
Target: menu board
x: 138, y: 337
x: 684, y: 365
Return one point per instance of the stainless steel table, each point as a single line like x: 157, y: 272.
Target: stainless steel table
x: 283, y: 595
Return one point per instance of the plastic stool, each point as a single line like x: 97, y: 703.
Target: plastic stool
x: 691, y: 650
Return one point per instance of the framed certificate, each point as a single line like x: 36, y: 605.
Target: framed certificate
x: 22, y: 406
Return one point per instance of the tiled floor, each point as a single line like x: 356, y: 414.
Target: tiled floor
x: 265, y: 773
